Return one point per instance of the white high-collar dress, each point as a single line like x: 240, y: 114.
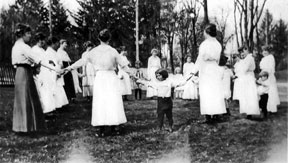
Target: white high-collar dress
x: 267, y: 64
x: 210, y: 78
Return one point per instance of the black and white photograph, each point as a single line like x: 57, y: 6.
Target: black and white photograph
x: 143, y: 81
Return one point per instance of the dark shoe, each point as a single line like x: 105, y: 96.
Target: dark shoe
x: 249, y: 117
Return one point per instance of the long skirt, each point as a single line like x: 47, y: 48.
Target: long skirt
x: 248, y: 98
x: 88, y: 80
x: 190, y: 91
x: 273, y: 99
x: 27, y: 112
x: 107, y: 105
x: 210, y: 90
x: 236, y: 89
x: 69, y: 84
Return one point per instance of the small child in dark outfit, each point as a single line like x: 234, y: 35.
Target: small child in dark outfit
x: 263, y: 89
x: 164, y: 100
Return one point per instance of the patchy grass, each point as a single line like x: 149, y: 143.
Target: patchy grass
x: 233, y: 140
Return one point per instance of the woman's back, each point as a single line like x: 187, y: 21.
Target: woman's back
x: 104, y: 57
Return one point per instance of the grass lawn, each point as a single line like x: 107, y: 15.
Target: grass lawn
x: 234, y: 140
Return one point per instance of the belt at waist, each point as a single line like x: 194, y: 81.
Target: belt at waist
x: 22, y: 65
x: 164, y: 98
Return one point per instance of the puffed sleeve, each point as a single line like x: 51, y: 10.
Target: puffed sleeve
x: 30, y: 54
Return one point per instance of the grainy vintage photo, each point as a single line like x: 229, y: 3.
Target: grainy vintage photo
x: 143, y: 81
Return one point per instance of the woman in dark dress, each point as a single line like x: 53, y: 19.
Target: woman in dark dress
x: 68, y: 78
x: 27, y: 112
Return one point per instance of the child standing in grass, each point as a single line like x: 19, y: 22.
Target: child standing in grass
x: 263, y: 90
x: 164, y: 100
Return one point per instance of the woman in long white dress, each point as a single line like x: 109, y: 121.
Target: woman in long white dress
x: 107, y: 105
x: 154, y: 64
x: 248, y: 98
x: 210, y: 77
x: 55, y: 83
x: 190, y: 88
x: 64, y: 61
x: 267, y: 64
x: 44, y: 89
x: 88, y: 73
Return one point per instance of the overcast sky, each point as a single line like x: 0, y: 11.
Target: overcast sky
x: 279, y: 9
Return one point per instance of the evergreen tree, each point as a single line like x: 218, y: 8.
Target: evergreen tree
x: 279, y: 43
x: 23, y: 11
x: 60, y: 24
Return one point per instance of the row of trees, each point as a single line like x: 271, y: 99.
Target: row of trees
x: 161, y: 22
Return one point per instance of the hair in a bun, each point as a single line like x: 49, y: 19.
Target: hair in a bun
x: 104, y: 35
x: 52, y: 40
x: 21, y: 29
x: 211, y: 30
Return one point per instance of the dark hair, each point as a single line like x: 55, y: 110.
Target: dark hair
x: 52, y: 40
x: 266, y: 48
x: 264, y: 73
x: 211, y: 30
x: 242, y: 48
x: 163, y: 73
x: 62, y: 41
x: 223, y: 60
x: 187, y: 56
x: 40, y: 36
x: 21, y: 29
x: 104, y: 35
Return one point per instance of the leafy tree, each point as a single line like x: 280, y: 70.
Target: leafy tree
x: 168, y: 27
x: 119, y: 17
x: 279, y: 43
x: 60, y: 24
x: 23, y: 11
x: 188, y: 30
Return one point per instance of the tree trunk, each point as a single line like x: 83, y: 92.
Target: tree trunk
x: 246, y: 22
x: 206, y: 17
x: 235, y: 25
